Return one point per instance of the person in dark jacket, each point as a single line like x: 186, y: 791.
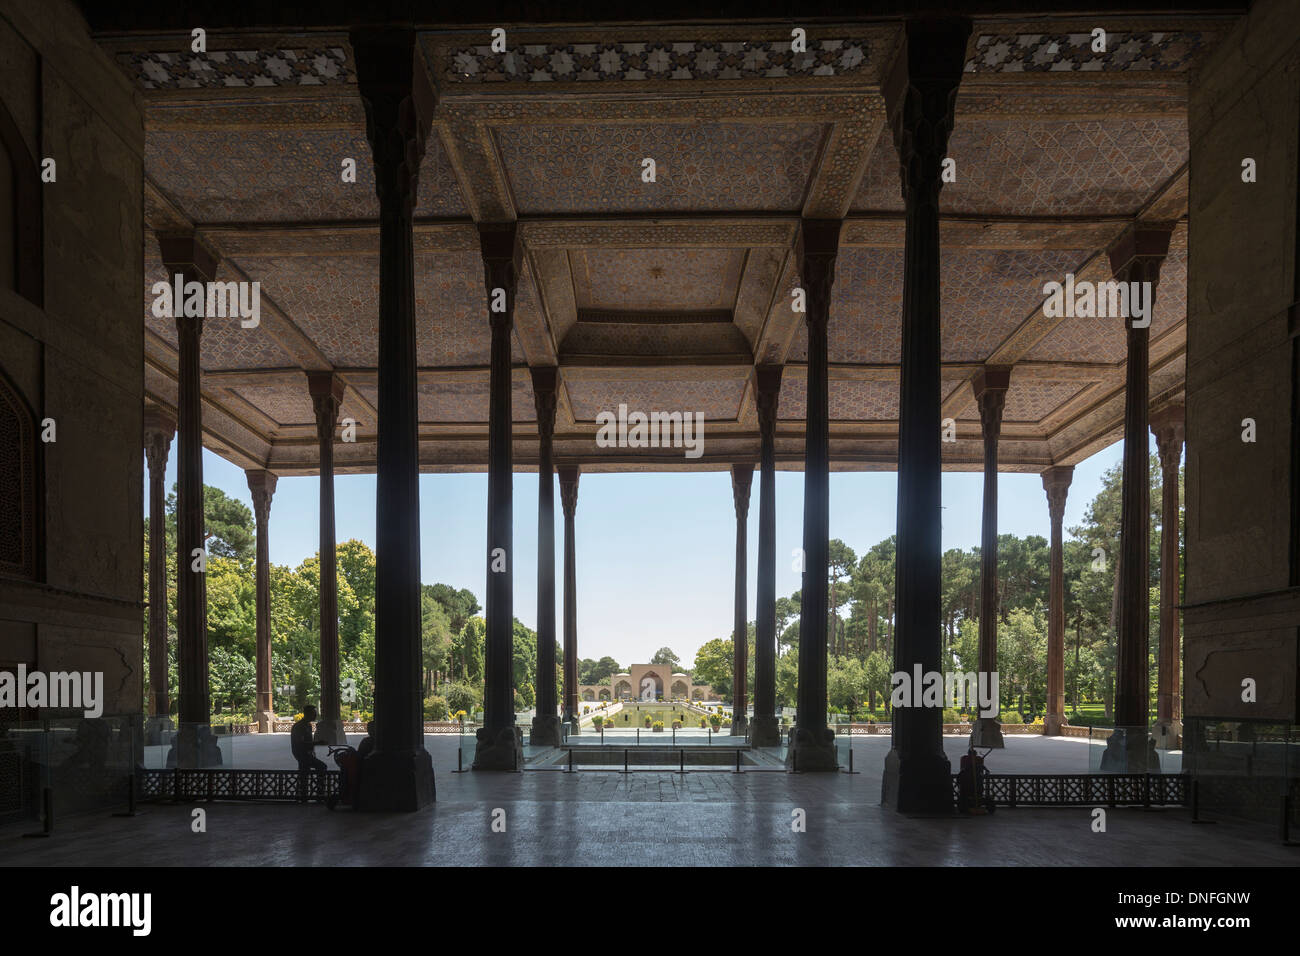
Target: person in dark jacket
x: 300, y: 741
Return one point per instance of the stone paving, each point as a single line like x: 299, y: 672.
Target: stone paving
x: 608, y: 818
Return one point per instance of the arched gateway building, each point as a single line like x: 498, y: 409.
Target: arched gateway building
x: 647, y: 682
x: 831, y: 242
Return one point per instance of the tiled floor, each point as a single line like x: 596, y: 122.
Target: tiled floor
x: 593, y: 818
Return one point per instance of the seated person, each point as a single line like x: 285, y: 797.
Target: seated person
x: 367, y: 745
x: 300, y: 741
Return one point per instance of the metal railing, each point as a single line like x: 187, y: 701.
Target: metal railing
x: 1081, y: 789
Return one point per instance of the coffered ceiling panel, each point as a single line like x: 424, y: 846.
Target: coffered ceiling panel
x: 698, y: 166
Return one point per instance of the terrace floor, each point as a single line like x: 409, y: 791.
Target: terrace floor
x: 604, y: 818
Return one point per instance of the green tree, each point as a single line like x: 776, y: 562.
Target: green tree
x: 666, y: 657
x: 232, y: 679
x: 713, y: 665
x: 841, y: 564
x: 230, y: 529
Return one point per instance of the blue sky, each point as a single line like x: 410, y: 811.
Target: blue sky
x: 655, y: 551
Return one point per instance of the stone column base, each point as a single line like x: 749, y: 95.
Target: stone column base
x: 764, y: 732
x: 987, y: 732
x: 193, y: 747
x: 154, y: 728
x: 329, y: 732
x: 739, y: 725
x: 499, y: 750
x: 397, y: 782
x: 917, y: 784
x: 265, y: 722
x: 545, y: 732
x: 1130, y: 751
x: 1053, y: 723
x: 812, y: 751
x: 1168, y: 734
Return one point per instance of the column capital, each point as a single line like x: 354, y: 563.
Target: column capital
x: 262, y: 485
x: 1168, y: 426
x: 159, y: 427
x: 990, y: 388
x: 742, y: 479
x: 920, y: 92
x: 815, y: 251
x: 185, y: 253
x: 502, y: 262
x: 546, y: 382
x: 326, y: 390
x: 1056, y: 482
x: 399, y: 103
x: 767, y: 395
x: 1138, y: 254
x: 568, y: 475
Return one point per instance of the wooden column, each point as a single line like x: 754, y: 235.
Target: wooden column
x: 764, y: 731
x: 742, y: 478
x: 990, y: 386
x: 327, y: 398
x: 812, y: 743
x: 262, y: 485
x: 1056, y: 482
x: 1136, y: 257
x: 500, y: 742
x: 920, y: 95
x: 159, y: 427
x: 569, y: 475
x: 399, y: 103
x: 185, y: 256
x: 1168, y: 427
x: 546, y: 725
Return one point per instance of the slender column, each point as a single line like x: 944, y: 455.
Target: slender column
x: 568, y: 475
x: 1135, y: 258
x: 742, y: 478
x: 812, y: 743
x: 765, y: 732
x: 990, y: 387
x: 546, y: 725
x: 1056, y: 482
x: 183, y: 255
x: 398, y: 101
x: 500, y: 742
x: 920, y: 96
x: 326, y: 392
x: 159, y: 427
x: 262, y: 485
x: 1167, y: 425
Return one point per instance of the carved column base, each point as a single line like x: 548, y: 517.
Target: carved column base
x: 1168, y: 734
x: 329, y: 732
x: 545, y: 731
x: 154, y: 728
x: 739, y: 725
x: 397, y: 782
x: 265, y: 722
x: 812, y: 751
x: 764, y: 732
x: 987, y: 732
x: 921, y: 784
x: 502, y: 750
x: 1053, y: 723
x: 194, y: 747
x: 1130, y: 750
